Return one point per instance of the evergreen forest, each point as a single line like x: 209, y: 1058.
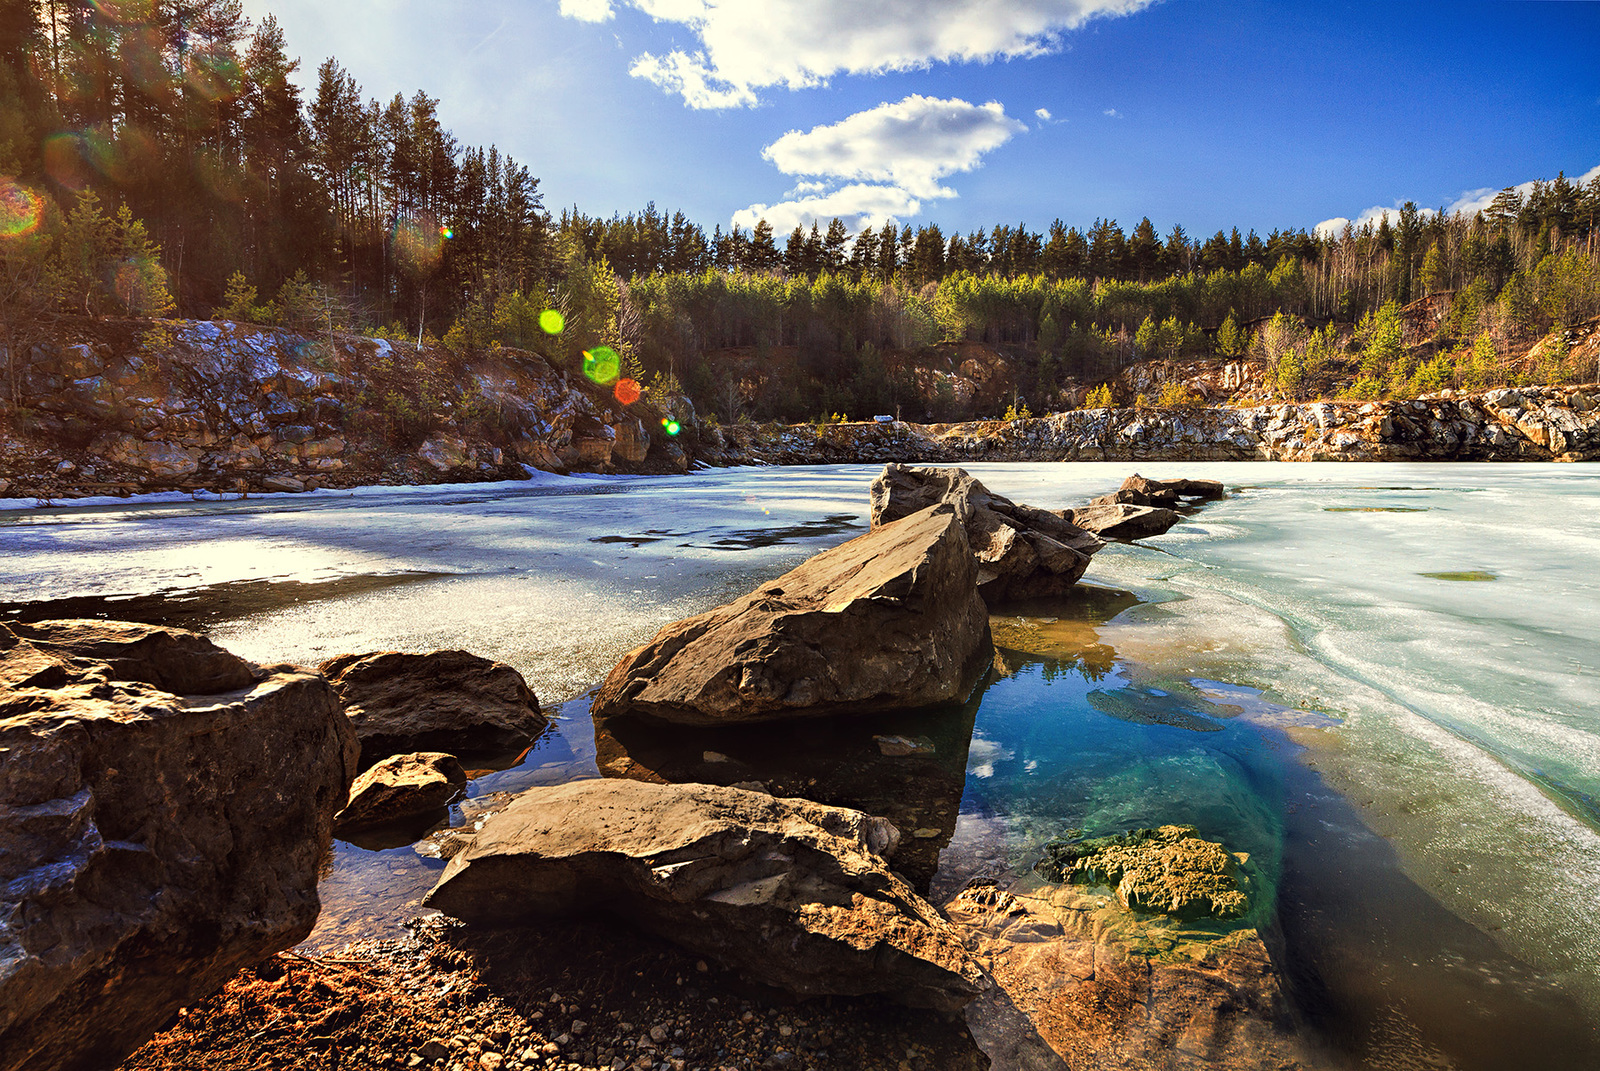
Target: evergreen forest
x: 158, y: 159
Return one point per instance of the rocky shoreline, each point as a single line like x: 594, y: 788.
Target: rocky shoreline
x: 783, y: 891
x: 128, y: 407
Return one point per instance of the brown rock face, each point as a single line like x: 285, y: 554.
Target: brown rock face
x: 1020, y: 551
x: 440, y: 701
x: 402, y: 786
x: 791, y: 893
x: 150, y: 845
x: 888, y: 621
x: 1122, y: 521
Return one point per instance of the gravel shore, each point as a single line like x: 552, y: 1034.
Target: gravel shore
x: 579, y: 996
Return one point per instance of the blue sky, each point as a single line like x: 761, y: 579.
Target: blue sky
x: 969, y: 113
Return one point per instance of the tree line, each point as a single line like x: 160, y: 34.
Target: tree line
x: 157, y: 158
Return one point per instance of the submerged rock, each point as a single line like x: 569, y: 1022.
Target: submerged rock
x: 791, y: 893
x: 1169, y: 871
x: 1020, y: 551
x: 151, y: 844
x: 402, y: 786
x: 1077, y: 986
x: 440, y: 701
x: 888, y: 621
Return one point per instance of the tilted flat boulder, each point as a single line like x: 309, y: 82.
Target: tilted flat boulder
x: 1122, y: 521
x: 791, y: 893
x: 1021, y: 551
x: 888, y: 621
x: 1163, y: 492
x: 151, y: 845
x: 402, y: 786
x: 449, y: 701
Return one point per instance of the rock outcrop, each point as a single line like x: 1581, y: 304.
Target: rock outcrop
x: 1524, y: 424
x: 402, y: 786
x: 1020, y: 551
x: 449, y: 701
x: 151, y: 843
x: 791, y: 893
x: 890, y: 620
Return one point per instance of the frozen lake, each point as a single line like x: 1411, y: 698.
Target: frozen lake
x: 1381, y: 679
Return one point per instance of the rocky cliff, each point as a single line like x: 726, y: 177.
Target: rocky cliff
x: 1526, y: 424
x: 122, y: 406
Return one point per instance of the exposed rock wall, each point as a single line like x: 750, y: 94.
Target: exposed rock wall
x: 1525, y: 424
x: 129, y: 406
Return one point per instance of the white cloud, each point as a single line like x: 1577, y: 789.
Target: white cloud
x: 889, y: 160
x: 587, y: 10
x: 1112, y: 113
x: 911, y: 144
x: 857, y: 205
x: 747, y: 45
x: 1042, y: 113
x: 1468, y: 203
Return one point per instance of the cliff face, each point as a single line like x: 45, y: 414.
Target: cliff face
x: 121, y: 407
x: 1528, y: 424
x: 127, y: 406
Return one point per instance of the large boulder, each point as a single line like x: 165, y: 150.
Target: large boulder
x: 890, y: 620
x: 791, y: 893
x: 1122, y: 521
x: 400, y: 787
x: 439, y: 701
x: 1165, y: 492
x: 172, y: 659
x: 1020, y: 551
x: 151, y: 844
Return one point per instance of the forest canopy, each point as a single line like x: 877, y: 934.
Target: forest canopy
x: 157, y: 158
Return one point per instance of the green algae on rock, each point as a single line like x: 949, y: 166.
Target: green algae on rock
x: 1168, y: 871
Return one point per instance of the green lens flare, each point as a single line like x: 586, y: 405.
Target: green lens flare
x: 672, y: 427
x: 602, y: 364
x: 551, y: 322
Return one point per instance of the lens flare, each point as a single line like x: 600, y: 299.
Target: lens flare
x: 627, y: 391
x: 602, y: 364
x: 21, y: 210
x: 447, y: 233
x: 552, y: 322
x: 418, y: 244
x: 670, y: 426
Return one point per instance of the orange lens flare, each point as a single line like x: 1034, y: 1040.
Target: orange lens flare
x: 627, y: 391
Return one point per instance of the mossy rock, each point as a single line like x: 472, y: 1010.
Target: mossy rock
x: 1167, y: 871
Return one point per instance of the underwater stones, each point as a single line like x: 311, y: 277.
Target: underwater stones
x: 151, y: 844
x: 1168, y: 871
x: 1074, y: 986
x: 402, y: 786
x: 450, y: 701
x: 1020, y: 551
x: 790, y: 893
x: 891, y: 620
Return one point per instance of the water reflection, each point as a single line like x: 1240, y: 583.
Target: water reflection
x: 907, y: 767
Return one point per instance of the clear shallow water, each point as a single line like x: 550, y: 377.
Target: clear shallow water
x: 1379, y: 680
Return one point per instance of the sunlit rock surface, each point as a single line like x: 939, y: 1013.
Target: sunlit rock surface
x: 151, y: 843
x: 793, y: 894
x: 1020, y: 551
x: 890, y: 620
